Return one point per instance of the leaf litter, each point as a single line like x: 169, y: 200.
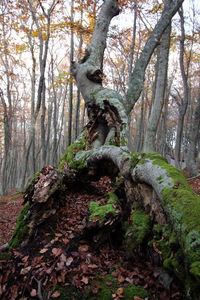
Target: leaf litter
x: 62, y: 256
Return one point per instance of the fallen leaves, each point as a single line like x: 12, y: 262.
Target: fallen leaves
x: 59, y: 255
x: 44, y: 250
x: 25, y: 270
x: 85, y: 280
x: 69, y: 261
x: 56, y: 294
x: 33, y: 293
x: 83, y: 248
x: 56, y: 251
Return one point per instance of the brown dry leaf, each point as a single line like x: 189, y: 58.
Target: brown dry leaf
x: 114, y: 295
x: 65, y: 241
x: 69, y: 261
x: 121, y: 278
x: 25, y: 270
x: 71, y: 236
x: 58, y: 234
x: 56, y: 294
x: 60, y: 266
x: 85, y: 280
x: 43, y: 250
x: 25, y: 258
x: 83, y: 248
x: 92, y: 266
x: 33, y: 293
x: 120, y: 292
x: 63, y: 258
x: 129, y: 280
x: 156, y: 249
x: 56, y: 251
x: 137, y: 298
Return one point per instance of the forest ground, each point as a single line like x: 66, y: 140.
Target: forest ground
x: 47, y: 256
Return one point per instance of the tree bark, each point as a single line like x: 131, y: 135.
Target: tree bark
x: 184, y: 104
x: 71, y: 81
x: 78, y: 97
x: 192, y: 155
x: 88, y: 74
x: 150, y: 137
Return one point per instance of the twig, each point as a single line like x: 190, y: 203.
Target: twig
x: 3, y: 246
x: 39, y: 292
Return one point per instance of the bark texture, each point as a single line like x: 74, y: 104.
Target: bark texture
x: 89, y: 72
x: 150, y: 137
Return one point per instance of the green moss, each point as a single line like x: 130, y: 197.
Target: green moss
x: 105, y: 291
x: 131, y: 290
x: 137, y: 230
x: 195, y: 270
x: 112, y: 198
x: 172, y: 264
x: 172, y: 172
x: 123, y: 139
x: 100, y: 211
x: 72, y: 150
x: 183, y: 206
x: 160, y: 179
x: 68, y: 292
x: 135, y: 159
x: 112, y: 142
x: 5, y: 256
x: 21, y: 227
x: 156, y: 157
x: 60, y: 171
x: 35, y: 177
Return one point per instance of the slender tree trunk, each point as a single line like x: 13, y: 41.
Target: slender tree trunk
x: 150, y: 137
x: 71, y: 81
x: 192, y: 155
x: 42, y: 125
x: 78, y: 101
x: 183, y: 106
x: 133, y: 41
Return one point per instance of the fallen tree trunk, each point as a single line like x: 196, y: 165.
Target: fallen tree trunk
x: 179, y: 202
x: 151, y: 186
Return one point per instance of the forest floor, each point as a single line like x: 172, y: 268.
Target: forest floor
x: 58, y: 258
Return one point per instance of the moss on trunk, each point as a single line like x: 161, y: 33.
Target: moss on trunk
x: 21, y: 228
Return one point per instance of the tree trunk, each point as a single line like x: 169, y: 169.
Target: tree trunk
x: 150, y: 137
x: 71, y: 81
x: 183, y: 106
x: 192, y: 156
x: 78, y: 97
